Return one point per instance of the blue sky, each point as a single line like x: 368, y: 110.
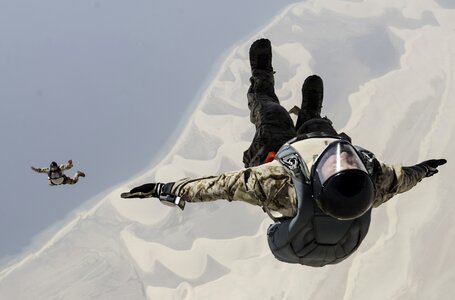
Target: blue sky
x: 104, y: 83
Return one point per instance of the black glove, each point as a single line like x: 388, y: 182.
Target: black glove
x: 148, y: 190
x: 156, y: 190
x: 431, y: 166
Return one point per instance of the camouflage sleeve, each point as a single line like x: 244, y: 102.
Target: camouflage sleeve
x: 40, y: 170
x: 267, y: 184
x: 393, y: 180
x: 66, y: 166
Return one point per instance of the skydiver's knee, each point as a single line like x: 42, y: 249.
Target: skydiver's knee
x: 317, y: 125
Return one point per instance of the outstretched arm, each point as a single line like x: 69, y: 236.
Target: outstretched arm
x: 265, y: 185
x: 391, y: 181
x: 40, y: 170
x: 235, y: 185
x: 67, y: 166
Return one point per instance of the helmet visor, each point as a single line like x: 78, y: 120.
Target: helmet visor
x: 337, y: 157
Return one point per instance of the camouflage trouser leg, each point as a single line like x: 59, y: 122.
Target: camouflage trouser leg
x: 273, y: 124
x: 71, y: 180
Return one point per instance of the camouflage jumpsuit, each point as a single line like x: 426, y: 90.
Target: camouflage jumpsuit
x: 63, y: 167
x: 269, y: 185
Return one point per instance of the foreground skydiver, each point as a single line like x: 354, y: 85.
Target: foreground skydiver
x: 56, y: 176
x: 317, y: 187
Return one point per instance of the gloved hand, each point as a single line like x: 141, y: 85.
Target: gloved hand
x: 148, y: 190
x: 431, y: 166
x: 156, y: 190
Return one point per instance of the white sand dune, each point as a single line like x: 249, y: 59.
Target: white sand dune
x: 389, y: 78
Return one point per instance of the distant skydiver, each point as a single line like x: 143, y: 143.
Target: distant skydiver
x: 56, y: 176
x: 317, y: 187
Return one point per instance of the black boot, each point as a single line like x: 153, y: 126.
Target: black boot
x: 261, y: 55
x: 312, y: 96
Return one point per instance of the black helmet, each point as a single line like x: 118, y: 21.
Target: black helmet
x: 54, y: 166
x: 341, y: 185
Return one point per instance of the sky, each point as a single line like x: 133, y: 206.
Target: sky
x: 108, y: 84
x: 388, y: 70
